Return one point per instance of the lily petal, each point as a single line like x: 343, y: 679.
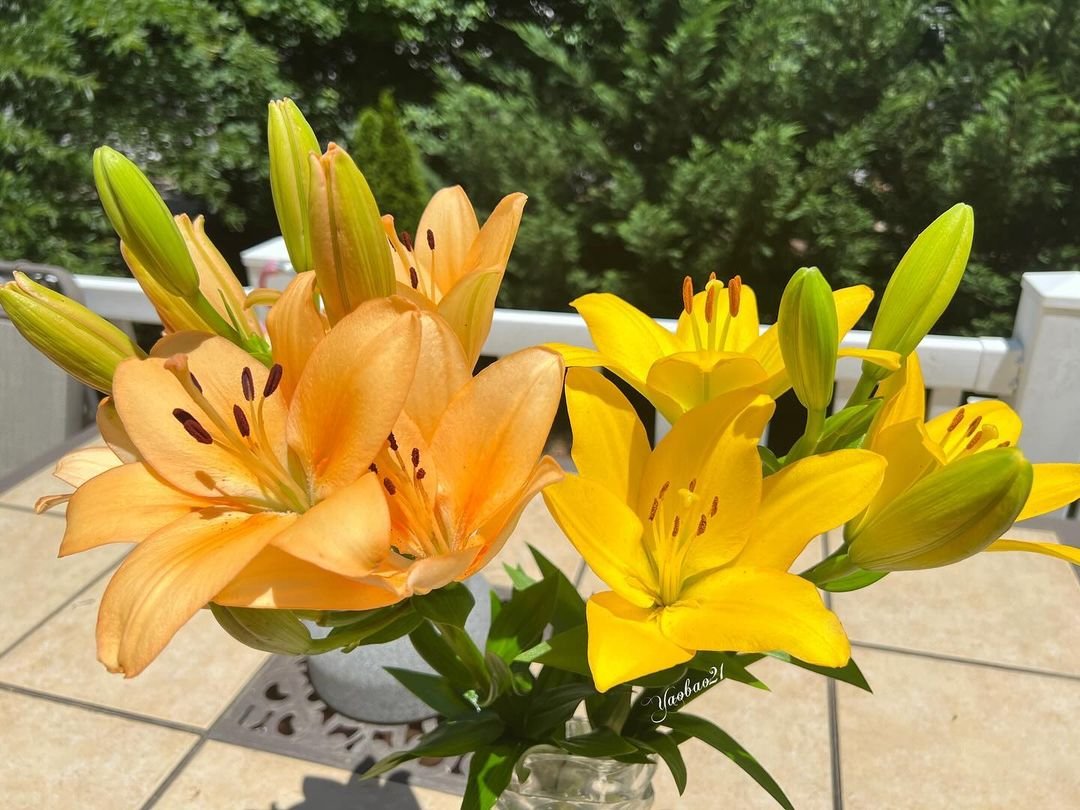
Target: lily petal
x: 496, y: 239
x: 879, y: 357
x: 348, y: 533
x: 576, y: 356
x: 799, y: 503
x: 757, y: 610
x: 1056, y: 550
x: 690, y: 379
x: 1054, y: 486
x: 149, y: 504
x: 610, y: 443
x: 114, y: 433
x: 629, y: 340
x: 427, y: 574
x: 988, y: 411
x: 904, y: 395
x: 734, y: 334
x: 295, y: 326
x: 469, y: 308
x: 79, y: 466
x: 626, y: 641
x: 910, y: 455
x: 492, y: 433
x: 352, y: 391
x: 607, y: 533
x: 169, y: 576
x: 441, y: 371
x: 450, y: 218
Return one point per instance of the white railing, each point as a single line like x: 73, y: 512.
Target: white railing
x: 1037, y: 370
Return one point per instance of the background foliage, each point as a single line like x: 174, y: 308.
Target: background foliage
x: 654, y: 138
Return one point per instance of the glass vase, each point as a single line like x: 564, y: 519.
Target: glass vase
x: 548, y: 779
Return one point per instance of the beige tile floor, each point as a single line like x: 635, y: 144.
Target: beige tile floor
x: 976, y: 671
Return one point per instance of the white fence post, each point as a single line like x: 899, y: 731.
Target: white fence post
x: 1048, y: 396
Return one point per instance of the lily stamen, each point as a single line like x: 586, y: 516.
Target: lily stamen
x: 247, y: 384
x: 242, y: 423
x: 955, y: 423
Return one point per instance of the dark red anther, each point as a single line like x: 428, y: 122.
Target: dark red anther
x: 414, y: 279
x: 198, y: 432
x: 386, y: 482
x: 181, y: 416
x: 273, y: 380
x: 420, y: 473
x: 430, y: 239
x: 416, y: 456
x: 242, y: 423
x: 373, y: 467
x: 701, y: 526
x: 248, y: 384
x: 393, y: 442
x: 406, y: 240
x: 974, y: 425
x: 195, y: 382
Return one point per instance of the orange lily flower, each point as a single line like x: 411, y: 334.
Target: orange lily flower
x: 456, y: 266
x: 227, y: 469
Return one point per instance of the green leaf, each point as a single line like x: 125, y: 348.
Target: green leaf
x: 441, y: 657
x: 569, y: 606
x: 549, y: 710
x: 518, y: 578
x: 667, y: 747
x: 501, y: 680
x: 435, y: 691
x: 848, y: 427
x: 659, y: 680
x: 568, y: 650
x: 769, y: 462
x: 853, y: 582
x: 731, y: 666
x: 723, y: 742
x: 449, y: 739
x: 450, y: 604
x: 490, y: 771
x: 849, y: 673
x: 603, y: 742
x: 522, y: 620
x: 368, y: 628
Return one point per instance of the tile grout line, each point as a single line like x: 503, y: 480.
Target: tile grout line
x: 956, y: 659
x: 111, y: 711
x: 61, y: 607
x: 174, y: 774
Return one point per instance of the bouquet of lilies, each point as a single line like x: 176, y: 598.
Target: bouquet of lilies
x: 327, y: 453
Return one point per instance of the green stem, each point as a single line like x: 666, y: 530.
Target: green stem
x: 805, y: 446
x: 835, y: 566
x: 863, y: 389
x: 465, y: 648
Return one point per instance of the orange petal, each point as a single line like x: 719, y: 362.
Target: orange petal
x: 441, y: 371
x: 488, y: 441
x: 492, y: 247
x: 274, y: 579
x: 169, y: 576
x: 452, y: 222
x: 149, y: 504
x: 402, y: 262
x: 469, y: 308
x: 430, y: 573
x: 348, y: 533
x: 113, y: 432
x: 352, y: 391
x: 295, y: 326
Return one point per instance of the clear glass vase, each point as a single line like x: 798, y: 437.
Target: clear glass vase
x: 546, y: 778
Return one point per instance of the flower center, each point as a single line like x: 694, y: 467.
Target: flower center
x: 415, y: 521
x: 675, y: 522
x: 714, y: 335
x: 964, y: 437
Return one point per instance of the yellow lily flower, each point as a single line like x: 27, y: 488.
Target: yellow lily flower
x: 226, y: 470
x: 916, y: 449
x: 455, y: 266
x: 717, y: 346
x: 694, y: 544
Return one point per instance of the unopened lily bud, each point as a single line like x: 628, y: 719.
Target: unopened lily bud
x: 947, y: 516
x: 272, y: 631
x: 351, y: 256
x: 143, y: 222
x: 922, y: 285
x: 82, y: 343
x: 291, y: 141
x: 808, y: 334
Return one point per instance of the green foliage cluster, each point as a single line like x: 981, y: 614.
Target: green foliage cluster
x: 655, y: 138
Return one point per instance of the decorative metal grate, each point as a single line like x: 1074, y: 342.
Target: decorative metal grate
x: 279, y: 712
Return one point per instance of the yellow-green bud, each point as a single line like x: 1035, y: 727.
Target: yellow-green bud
x: 143, y: 222
x: 807, y: 330
x: 922, y: 285
x: 81, y: 342
x: 291, y: 141
x: 947, y: 516
x: 272, y: 631
x: 348, y: 243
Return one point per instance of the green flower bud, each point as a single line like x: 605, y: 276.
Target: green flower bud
x: 143, y: 222
x: 291, y: 142
x: 348, y: 242
x: 922, y: 285
x: 272, y: 631
x: 948, y: 516
x: 81, y: 342
x: 808, y: 334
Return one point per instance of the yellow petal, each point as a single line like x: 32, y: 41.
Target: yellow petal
x: 441, y: 371
x: 910, y: 456
x: 626, y: 642
x: 1054, y: 486
x: 1055, y: 550
x: 149, y: 504
x: 690, y: 379
x: 803, y: 500
x: 351, y: 392
x: 879, y: 357
x: 757, y: 610
x: 576, y: 355
x: 295, y: 326
x: 469, y: 308
x: 274, y: 579
x: 629, y: 339
x: 493, y: 432
x: 905, y: 398
x: 452, y: 222
x: 607, y: 533
x: 731, y: 334
x: 169, y: 576
x: 988, y: 412
x: 496, y: 239
x: 348, y: 533
x: 610, y: 443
